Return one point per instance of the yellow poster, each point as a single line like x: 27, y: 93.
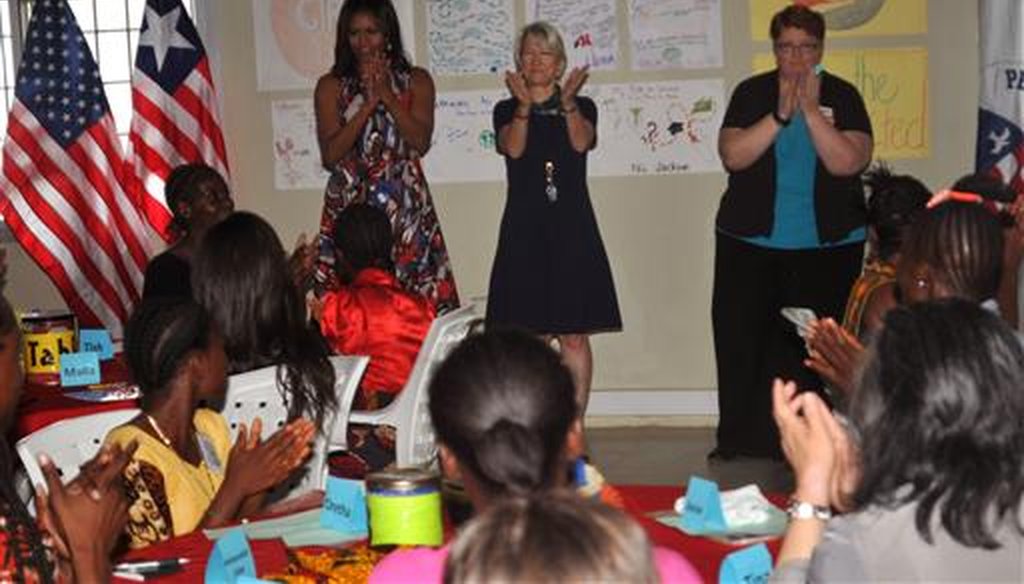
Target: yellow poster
x: 849, y: 18
x: 894, y: 85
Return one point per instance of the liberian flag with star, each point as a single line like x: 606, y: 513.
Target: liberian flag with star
x: 175, y: 119
x: 999, y: 149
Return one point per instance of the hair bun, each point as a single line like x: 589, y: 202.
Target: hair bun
x: 509, y: 454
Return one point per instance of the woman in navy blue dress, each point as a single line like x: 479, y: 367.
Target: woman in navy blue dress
x: 551, y: 273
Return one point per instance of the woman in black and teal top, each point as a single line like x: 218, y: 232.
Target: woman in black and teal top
x: 790, y: 227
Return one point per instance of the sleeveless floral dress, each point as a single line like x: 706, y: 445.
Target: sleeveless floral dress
x: 384, y: 171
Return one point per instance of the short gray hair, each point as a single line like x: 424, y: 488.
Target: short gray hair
x: 547, y: 33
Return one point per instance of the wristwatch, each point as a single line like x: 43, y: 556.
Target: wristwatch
x: 781, y: 120
x: 803, y: 510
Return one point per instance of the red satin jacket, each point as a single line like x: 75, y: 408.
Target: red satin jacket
x: 375, y: 316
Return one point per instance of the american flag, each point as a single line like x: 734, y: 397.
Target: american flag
x: 175, y: 107
x: 999, y: 149
x: 61, y: 190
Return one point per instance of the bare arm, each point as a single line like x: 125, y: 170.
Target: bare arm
x: 512, y: 136
x: 741, y: 147
x: 335, y: 135
x: 843, y: 152
x: 581, y: 131
x: 416, y: 124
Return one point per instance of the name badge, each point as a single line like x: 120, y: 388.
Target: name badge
x: 96, y: 341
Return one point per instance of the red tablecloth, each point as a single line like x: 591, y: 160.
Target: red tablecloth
x: 705, y: 554
x: 42, y: 405
x: 270, y: 555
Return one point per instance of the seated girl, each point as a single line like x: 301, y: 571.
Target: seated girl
x: 895, y: 202
x: 506, y: 418
x: 198, y: 198
x: 372, y: 315
x: 240, y: 275
x: 185, y: 473
x: 551, y: 538
x: 929, y: 470
x: 76, y: 525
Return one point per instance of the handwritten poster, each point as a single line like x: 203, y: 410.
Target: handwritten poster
x: 675, y: 34
x: 463, y: 149
x: 296, y: 154
x: 850, y: 18
x: 589, y: 29
x: 667, y: 127
x: 894, y: 85
x: 467, y: 38
x: 295, y: 40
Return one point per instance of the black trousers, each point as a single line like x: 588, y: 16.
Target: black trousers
x: 754, y: 343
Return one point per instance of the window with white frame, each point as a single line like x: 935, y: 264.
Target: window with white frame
x: 111, y: 28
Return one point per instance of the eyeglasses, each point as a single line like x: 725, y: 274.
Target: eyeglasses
x: 791, y: 49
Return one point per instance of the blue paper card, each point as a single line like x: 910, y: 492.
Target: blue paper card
x: 79, y: 369
x: 96, y: 341
x: 751, y: 565
x: 344, y: 506
x: 250, y: 580
x: 230, y: 559
x: 703, y: 511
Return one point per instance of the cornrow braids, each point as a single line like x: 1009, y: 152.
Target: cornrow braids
x: 894, y: 202
x: 159, y: 336
x: 363, y: 236
x: 25, y: 547
x: 963, y: 244
x: 182, y: 186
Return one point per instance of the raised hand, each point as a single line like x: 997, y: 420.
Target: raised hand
x: 834, y: 354
x: 577, y: 77
x: 86, y: 516
x: 787, y: 97
x: 302, y: 262
x: 516, y: 84
x: 255, y: 466
x: 806, y: 440
x: 808, y: 89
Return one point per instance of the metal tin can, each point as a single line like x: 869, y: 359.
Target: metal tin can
x: 47, y: 334
x: 405, y: 507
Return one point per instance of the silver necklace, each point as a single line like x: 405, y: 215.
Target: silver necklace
x: 159, y: 433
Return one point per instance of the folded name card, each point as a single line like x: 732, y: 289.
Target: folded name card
x: 96, y: 341
x: 230, y: 559
x: 79, y: 369
x: 344, y: 506
x: 702, y: 512
x: 748, y: 565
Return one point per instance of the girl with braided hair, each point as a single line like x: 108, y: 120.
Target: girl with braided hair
x: 506, y: 417
x: 78, y: 523
x: 186, y: 474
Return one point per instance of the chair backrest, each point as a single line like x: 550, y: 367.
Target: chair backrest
x: 415, y: 444
x: 69, y: 443
x: 256, y: 394
x: 348, y: 372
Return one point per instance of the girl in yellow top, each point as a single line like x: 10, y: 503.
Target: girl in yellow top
x: 185, y: 473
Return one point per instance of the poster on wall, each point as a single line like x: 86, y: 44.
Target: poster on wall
x: 849, y: 18
x: 666, y: 127
x: 894, y: 85
x: 469, y: 38
x: 294, y: 40
x: 589, y: 29
x: 463, y: 149
x: 296, y: 154
x: 675, y: 34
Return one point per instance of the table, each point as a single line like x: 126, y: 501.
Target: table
x: 42, y: 405
x: 705, y: 554
x: 271, y: 555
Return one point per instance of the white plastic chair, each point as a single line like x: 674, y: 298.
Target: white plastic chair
x: 409, y: 413
x: 69, y: 443
x: 255, y: 394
